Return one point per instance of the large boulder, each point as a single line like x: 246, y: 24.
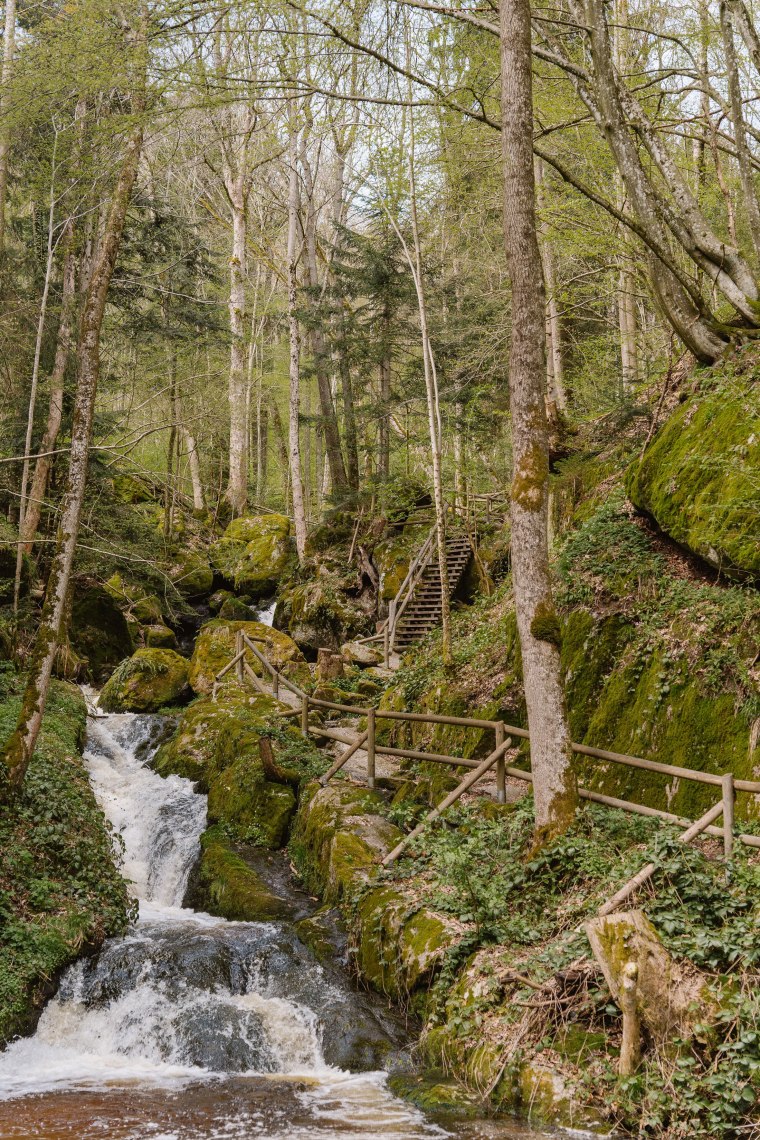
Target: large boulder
x: 146, y: 682
x: 318, y: 614
x: 191, y: 573
x: 698, y: 478
x: 99, y: 631
x: 253, y: 553
x: 215, y: 647
x: 213, y: 734
x: 258, y: 810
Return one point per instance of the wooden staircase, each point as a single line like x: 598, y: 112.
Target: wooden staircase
x: 417, y: 607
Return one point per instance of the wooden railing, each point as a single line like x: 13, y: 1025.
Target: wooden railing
x: 503, y: 735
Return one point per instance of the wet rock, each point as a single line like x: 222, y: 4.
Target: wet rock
x: 259, y: 810
x: 226, y: 884
x: 147, y: 681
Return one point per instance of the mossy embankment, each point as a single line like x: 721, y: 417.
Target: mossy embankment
x: 60, y: 891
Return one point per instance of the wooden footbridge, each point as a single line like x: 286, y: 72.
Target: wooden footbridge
x: 274, y: 682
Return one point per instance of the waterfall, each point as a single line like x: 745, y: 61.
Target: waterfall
x: 183, y: 994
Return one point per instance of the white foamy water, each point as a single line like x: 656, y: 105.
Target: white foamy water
x: 266, y: 614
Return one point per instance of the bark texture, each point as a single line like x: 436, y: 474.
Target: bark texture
x: 554, y: 786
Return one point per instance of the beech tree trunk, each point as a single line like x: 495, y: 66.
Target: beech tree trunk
x: 554, y: 786
x: 44, y: 462
x: 20, y: 747
x: 237, y: 489
x: 294, y: 408
x: 743, y: 156
x: 9, y: 46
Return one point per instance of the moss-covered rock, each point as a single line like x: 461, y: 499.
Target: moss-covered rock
x: 215, y: 647
x: 99, y: 631
x: 146, y: 682
x: 340, y: 837
x: 258, y: 809
x: 320, y: 614
x: 698, y: 477
x: 225, y: 884
x: 191, y: 573
x: 399, y: 943
x: 236, y: 609
x: 254, y: 553
x: 213, y: 734
x: 159, y: 636
x: 392, y: 558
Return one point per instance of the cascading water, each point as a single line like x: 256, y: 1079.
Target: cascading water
x: 174, y: 1030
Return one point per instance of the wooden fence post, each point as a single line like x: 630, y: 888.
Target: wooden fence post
x: 305, y: 715
x: 387, y: 644
x: 276, y: 684
x: 239, y: 649
x: 729, y: 796
x: 370, y: 748
x: 501, y: 765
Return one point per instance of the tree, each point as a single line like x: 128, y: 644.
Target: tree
x: 554, y: 787
x: 19, y: 748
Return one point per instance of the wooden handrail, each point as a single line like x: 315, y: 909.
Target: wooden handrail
x: 727, y: 782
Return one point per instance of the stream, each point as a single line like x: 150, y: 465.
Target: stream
x: 194, y: 1028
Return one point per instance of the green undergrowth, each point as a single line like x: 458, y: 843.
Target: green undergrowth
x: 60, y: 890
x: 520, y: 914
x: 657, y: 662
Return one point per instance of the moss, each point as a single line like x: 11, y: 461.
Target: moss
x: 319, y: 613
x: 146, y: 682
x: 254, y: 553
x: 698, y: 477
x: 215, y: 647
x: 160, y: 637
x: 191, y: 573
x: 227, y: 886
x: 399, y: 944
x: 99, y: 631
x: 257, y: 810
x: 129, y: 489
x: 211, y: 735
x: 546, y: 626
x: 235, y: 609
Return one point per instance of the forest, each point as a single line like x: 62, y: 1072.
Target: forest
x: 379, y: 553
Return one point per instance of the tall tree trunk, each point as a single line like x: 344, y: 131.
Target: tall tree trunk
x: 9, y: 46
x: 294, y: 406
x: 237, y: 490
x: 743, y: 156
x: 328, y: 419
x: 384, y: 429
x: 554, y: 787
x: 35, y: 381
x: 194, y: 463
x: 349, y: 421
x: 44, y: 462
x: 20, y: 747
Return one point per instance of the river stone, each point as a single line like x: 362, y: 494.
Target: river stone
x: 147, y: 681
x: 227, y: 885
x: 258, y: 809
x: 253, y: 553
x: 159, y: 636
x: 215, y: 648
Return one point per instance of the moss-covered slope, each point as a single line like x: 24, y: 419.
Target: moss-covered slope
x: 700, y: 476
x: 60, y: 890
